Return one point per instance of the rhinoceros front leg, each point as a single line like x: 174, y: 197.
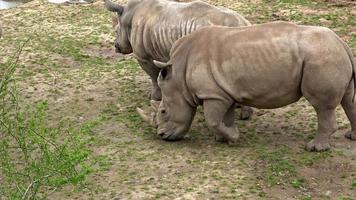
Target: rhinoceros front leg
x: 153, y: 71
x: 220, y: 118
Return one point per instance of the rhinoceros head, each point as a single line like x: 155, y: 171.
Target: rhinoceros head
x: 173, y: 115
x: 121, y: 25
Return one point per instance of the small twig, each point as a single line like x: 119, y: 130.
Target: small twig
x: 9, y: 131
x: 31, y: 184
x: 28, y: 188
x: 51, y: 192
x: 41, y: 136
x: 18, y: 188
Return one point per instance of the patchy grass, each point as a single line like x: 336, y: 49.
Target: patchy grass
x: 70, y: 64
x: 36, y: 159
x: 278, y: 166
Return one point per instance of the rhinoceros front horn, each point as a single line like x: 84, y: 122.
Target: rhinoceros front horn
x: 155, y: 105
x: 114, y: 7
x: 150, y: 118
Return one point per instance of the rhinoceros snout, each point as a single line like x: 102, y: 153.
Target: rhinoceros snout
x: 117, y: 48
x: 170, y: 136
x: 160, y: 133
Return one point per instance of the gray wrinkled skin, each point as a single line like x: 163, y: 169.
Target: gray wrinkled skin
x: 265, y: 66
x: 148, y: 28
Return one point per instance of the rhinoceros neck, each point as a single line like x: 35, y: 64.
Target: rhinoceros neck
x: 157, y: 38
x: 182, y: 72
x: 164, y: 35
x: 153, y: 34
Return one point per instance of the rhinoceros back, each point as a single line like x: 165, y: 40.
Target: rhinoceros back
x: 153, y: 33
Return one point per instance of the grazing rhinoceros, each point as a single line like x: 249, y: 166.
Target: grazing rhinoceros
x: 148, y: 28
x: 264, y: 66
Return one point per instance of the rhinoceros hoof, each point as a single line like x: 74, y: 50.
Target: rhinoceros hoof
x: 219, y: 138
x: 233, y: 142
x: 317, y: 146
x: 351, y: 135
x: 246, y: 113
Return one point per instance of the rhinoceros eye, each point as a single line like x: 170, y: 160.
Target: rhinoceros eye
x: 163, y: 111
x: 165, y: 73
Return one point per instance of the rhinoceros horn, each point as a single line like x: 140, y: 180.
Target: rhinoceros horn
x: 149, y: 117
x: 155, y: 105
x: 114, y: 7
x: 161, y: 65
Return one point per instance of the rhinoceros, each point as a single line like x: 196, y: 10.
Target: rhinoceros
x: 148, y: 28
x: 264, y: 66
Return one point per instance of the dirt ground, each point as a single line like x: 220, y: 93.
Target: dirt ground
x: 70, y: 62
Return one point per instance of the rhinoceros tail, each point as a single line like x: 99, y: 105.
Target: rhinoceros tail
x: 353, y: 74
x: 353, y: 63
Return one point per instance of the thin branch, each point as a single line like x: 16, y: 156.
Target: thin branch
x: 31, y: 184
x: 46, y: 140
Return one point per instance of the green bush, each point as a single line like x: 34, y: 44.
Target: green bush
x: 35, y: 157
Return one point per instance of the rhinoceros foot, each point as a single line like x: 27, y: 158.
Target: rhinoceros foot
x: 317, y: 145
x: 219, y: 138
x: 246, y: 113
x: 233, y: 141
x: 351, y: 135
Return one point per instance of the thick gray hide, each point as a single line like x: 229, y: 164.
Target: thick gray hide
x: 148, y: 28
x: 264, y: 66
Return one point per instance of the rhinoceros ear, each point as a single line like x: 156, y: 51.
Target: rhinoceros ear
x: 114, y: 7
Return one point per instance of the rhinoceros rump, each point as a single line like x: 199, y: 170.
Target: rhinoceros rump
x: 149, y: 28
x: 264, y: 66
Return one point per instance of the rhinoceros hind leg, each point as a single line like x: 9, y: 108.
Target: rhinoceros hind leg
x: 324, y: 83
x: 229, y: 119
x: 219, y: 116
x: 350, y: 110
x: 326, y: 127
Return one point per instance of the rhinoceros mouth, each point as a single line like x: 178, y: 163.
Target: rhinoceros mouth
x: 171, y: 135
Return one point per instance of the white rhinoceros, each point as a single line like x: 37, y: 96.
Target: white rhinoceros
x: 264, y: 66
x: 148, y: 28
